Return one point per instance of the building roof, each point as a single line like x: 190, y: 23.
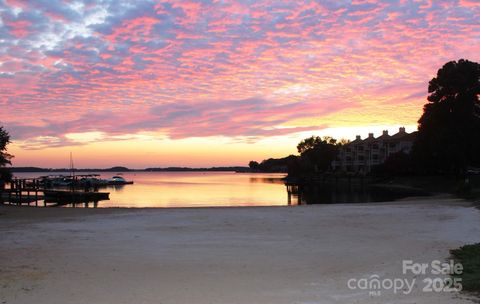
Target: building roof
x: 401, y: 135
x: 369, y: 139
x: 404, y: 136
x: 357, y: 140
x: 384, y: 137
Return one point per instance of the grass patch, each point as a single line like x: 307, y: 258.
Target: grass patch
x: 469, y: 257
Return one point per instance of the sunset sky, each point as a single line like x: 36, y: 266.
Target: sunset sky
x: 210, y: 83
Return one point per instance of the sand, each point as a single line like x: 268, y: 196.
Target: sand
x: 302, y: 255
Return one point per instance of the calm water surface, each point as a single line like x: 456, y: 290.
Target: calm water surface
x: 211, y: 189
x: 192, y: 189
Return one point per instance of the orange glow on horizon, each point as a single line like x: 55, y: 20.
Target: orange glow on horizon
x: 192, y: 152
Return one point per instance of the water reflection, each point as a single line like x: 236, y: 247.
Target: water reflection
x: 268, y: 180
x: 209, y: 189
x: 343, y: 193
x: 193, y: 189
x: 81, y: 204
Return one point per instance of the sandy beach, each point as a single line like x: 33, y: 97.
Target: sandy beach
x: 301, y: 255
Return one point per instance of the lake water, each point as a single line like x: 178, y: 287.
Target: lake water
x: 211, y: 189
x: 192, y: 189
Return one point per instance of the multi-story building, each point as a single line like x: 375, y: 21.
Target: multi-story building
x: 361, y: 155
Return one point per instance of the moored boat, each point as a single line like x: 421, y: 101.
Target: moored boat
x: 118, y: 180
x: 88, y: 181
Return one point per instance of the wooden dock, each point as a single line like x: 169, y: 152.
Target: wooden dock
x: 34, y: 192
x: 293, y: 190
x: 75, y: 196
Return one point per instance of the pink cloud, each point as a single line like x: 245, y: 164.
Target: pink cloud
x: 469, y: 3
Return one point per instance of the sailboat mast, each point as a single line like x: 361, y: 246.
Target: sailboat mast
x: 72, y: 169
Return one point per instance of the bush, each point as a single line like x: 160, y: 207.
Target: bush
x: 469, y: 257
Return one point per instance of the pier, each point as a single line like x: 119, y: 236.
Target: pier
x: 34, y: 191
x: 293, y: 190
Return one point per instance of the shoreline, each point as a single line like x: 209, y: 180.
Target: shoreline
x: 427, y: 199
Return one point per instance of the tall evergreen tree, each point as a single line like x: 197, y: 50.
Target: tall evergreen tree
x: 449, y: 130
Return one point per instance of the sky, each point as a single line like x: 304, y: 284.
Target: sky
x: 215, y: 83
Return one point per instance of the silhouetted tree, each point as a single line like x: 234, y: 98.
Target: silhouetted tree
x: 343, y: 141
x: 308, y: 143
x: 4, y: 141
x: 317, y: 154
x: 253, y: 165
x: 5, y: 174
x: 399, y: 163
x: 273, y: 164
x: 313, y: 141
x: 449, y: 130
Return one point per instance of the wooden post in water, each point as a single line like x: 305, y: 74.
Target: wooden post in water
x: 13, y: 189
x: 10, y: 193
x: 19, y: 186
x: 299, y: 195
x: 28, y: 192
x: 36, y: 183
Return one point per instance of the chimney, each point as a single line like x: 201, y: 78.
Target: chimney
x: 385, y: 132
x: 358, y: 137
x: 401, y: 130
x: 370, y: 135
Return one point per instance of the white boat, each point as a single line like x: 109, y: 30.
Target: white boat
x: 118, y: 180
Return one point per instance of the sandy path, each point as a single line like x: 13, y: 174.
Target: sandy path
x: 225, y: 255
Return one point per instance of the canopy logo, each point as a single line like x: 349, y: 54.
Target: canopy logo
x: 435, y: 279
x: 375, y: 285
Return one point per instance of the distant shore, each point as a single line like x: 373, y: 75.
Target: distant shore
x: 125, y: 169
x: 264, y: 255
